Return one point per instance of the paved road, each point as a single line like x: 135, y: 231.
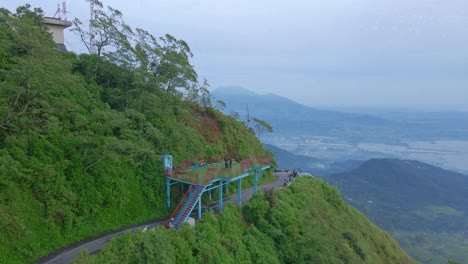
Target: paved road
x: 247, y: 194
x: 93, y: 245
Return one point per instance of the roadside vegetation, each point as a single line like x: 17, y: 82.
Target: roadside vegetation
x: 307, y: 222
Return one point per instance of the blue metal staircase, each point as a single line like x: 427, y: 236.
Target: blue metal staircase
x: 183, y: 212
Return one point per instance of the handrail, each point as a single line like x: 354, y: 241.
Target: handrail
x: 189, y: 205
x: 181, y: 203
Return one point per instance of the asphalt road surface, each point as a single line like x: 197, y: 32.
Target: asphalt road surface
x: 93, y: 245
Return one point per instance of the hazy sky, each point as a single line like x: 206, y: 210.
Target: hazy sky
x: 407, y: 53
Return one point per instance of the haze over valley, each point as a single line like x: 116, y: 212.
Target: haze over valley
x: 438, y: 138
x: 444, y: 153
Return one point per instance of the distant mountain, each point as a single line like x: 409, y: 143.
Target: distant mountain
x: 401, y: 191
x: 315, y: 166
x: 232, y: 90
x: 271, y: 105
x: 342, y: 166
x: 290, y: 118
x: 288, y: 160
x: 424, y: 207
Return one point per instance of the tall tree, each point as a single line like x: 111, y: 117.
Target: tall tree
x: 175, y: 70
x: 205, y: 97
x: 261, y: 127
x: 162, y: 63
x: 27, y: 61
x: 106, y: 28
x: 221, y: 105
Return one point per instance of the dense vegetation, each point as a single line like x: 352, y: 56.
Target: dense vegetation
x: 307, y: 222
x: 423, y: 206
x: 81, y: 135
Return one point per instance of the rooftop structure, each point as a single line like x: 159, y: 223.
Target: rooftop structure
x: 56, y: 26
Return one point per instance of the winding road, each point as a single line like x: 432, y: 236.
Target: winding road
x: 93, y: 245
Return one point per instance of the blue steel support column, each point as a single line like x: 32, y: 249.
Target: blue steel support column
x: 168, y: 192
x: 239, y: 191
x: 199, y: 208
x: 255, y: 180
x: 220, y: 196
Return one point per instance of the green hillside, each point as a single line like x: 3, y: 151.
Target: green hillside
x: 307, y: 222
x: 81, y: 135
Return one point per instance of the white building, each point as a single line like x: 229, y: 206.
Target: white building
x: 56, y: 26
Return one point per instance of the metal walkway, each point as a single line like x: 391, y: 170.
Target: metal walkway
x: 207, y: 180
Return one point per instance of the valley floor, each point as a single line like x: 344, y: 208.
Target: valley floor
x: 433, y: 248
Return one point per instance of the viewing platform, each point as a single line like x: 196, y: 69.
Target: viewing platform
x: 205, y: 174
x: 201, y: 178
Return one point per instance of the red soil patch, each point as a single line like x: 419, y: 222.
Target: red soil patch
x: 209, y: 128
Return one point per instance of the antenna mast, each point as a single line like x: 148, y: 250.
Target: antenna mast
x: 64, y: 10
x: 92, y: 46
x: 61, y: 12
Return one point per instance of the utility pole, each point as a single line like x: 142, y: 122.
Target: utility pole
x: 247, y: 121
x: 92, y: 35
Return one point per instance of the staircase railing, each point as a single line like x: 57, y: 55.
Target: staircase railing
x: 188, y: 206
x: 181, y: 203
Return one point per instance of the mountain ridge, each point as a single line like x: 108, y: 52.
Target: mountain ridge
x: 290, y: 118
x: 353, y: 127
x: 408, y: 176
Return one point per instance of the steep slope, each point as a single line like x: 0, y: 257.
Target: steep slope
x: 307, y: 222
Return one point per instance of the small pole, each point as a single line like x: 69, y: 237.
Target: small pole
x: 255, y: 180
x: 168, y: 192
x: 239, y: 191
x: 220, y: 195
x: 199, y: 208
